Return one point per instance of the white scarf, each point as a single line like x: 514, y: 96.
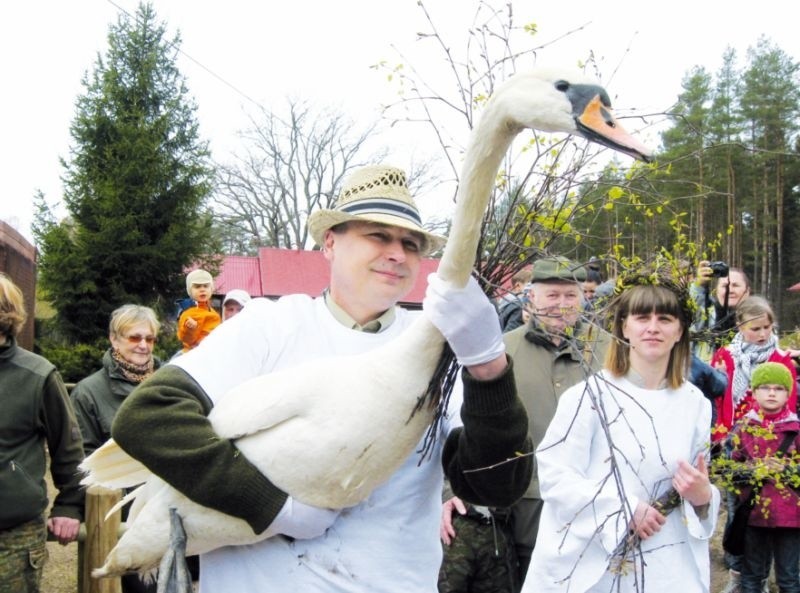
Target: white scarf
x: 746, y: 356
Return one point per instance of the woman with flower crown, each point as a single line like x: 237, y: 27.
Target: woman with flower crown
x: 628, y: 505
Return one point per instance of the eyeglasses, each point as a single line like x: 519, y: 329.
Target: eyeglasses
x: 775, y: 388
x: 135, y: 339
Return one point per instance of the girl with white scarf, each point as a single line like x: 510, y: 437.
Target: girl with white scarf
x: 755, y: 342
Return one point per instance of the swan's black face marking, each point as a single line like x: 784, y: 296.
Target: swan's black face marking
x: 581, y: 95
x: 594, y: 120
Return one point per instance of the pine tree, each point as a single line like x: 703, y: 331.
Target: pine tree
x: 770, y: 104
x: 135, y: 185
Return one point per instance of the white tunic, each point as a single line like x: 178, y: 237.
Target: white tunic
x: 387, y: 543
x: 587, y: 509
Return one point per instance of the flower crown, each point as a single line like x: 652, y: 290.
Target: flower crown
x: 663, y: 271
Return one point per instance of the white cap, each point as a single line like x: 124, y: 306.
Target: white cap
x: 238, y: 295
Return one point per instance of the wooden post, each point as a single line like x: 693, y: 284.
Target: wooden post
x: 101, y: 537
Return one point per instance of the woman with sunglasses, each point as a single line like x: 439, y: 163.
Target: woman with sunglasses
x: 129, y: 361
x: 133, y: 331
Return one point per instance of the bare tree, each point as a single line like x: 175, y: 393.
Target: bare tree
x: 537, y: 195
x: 290, y: 167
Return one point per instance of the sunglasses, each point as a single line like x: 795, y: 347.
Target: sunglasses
x: 137, y: 338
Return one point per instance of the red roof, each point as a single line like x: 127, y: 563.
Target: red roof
x: 290, y: 271
x: 239, y: 272
x: 278, y: 272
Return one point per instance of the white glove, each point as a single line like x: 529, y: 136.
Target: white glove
x: 301, y: 521
x: 466, y: 318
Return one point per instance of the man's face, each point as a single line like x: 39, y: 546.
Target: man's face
x: 589, y: 289
x: 231, y: 309
x: 373, y: 266
x: 737, y: 290
x: 556, y: 305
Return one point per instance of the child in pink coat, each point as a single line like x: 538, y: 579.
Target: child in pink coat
x: 773, y: 530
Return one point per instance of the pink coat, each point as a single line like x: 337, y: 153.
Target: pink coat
x: 726, y: 414
x: 775, y: 507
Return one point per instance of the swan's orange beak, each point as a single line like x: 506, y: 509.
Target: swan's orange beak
x: 597, y: 123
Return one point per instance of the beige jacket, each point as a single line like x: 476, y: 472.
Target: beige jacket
x: 543, y: 372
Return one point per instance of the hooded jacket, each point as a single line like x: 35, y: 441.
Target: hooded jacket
x: 778, y: 502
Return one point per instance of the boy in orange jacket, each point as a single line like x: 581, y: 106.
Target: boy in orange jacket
x: 196, y: 322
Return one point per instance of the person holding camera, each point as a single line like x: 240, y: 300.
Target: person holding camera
x: 715, y: 317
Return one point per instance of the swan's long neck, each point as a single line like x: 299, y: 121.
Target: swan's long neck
x: 491, y: 139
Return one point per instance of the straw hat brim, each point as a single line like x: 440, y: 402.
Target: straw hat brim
x: 321, y: 220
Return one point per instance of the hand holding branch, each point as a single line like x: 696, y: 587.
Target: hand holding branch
x: 692, y: 483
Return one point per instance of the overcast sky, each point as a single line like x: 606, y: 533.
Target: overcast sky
x: 263, y: 51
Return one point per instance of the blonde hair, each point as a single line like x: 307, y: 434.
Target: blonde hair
x: 12, y: 307
x: 643, y: 299
x: 754, y: 307
x: 127, y: 316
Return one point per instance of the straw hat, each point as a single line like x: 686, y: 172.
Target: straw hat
x: 377, y: 193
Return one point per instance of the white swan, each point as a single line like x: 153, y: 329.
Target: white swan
x: 333, y: 450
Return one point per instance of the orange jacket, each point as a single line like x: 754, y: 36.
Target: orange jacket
x: 207, y: 319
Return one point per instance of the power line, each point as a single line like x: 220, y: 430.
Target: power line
x: 230, y: 85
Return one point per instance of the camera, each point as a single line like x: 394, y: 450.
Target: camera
x: 719, y: 269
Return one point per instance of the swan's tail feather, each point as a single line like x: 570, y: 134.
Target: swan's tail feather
x: 123, y: 501
x: 111, y: 467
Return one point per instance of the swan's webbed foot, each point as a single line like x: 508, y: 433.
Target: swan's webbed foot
x: 173, y: 572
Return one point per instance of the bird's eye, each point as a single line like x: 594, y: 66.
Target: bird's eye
x: 562, y: 85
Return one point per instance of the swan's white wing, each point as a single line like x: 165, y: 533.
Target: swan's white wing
x: 111, y: 467
x: 264, y: 402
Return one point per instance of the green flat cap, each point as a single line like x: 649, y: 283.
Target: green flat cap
x: 557, y: 268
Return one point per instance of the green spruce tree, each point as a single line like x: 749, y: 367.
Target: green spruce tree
x: 136, y: 184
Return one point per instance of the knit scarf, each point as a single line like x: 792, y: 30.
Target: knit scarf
x: 746, y: 356
x: 758, y: 417
x: 134, y: 373
x: 768, y: 419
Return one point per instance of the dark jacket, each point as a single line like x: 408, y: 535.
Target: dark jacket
x: 36, y: 410
x: 96, y: 400
x: 543, y: 371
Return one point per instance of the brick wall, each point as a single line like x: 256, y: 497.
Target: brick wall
x: 18, y: 262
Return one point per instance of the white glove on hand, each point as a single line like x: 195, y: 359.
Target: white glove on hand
x: 466, y: 318
x: 301, y: 521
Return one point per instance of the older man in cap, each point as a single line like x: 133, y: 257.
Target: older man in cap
x: 552, y: 354
x: 373, y: 240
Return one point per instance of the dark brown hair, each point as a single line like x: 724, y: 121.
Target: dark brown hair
x: 640, y: 300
